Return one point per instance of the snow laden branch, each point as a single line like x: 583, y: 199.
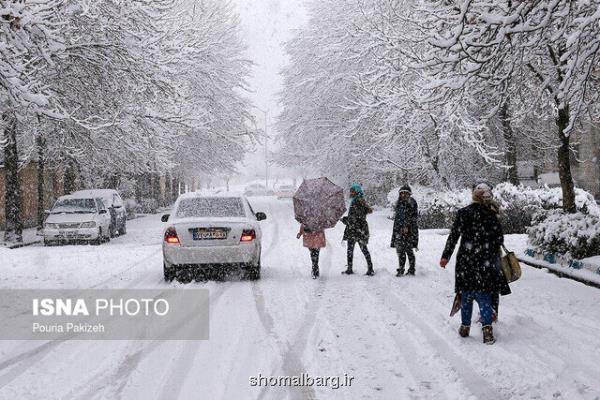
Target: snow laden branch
x: 539, y: 55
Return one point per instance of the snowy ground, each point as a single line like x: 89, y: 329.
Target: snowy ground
x: 392, y: 335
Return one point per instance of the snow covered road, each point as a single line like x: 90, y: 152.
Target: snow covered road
x: 392, y: 335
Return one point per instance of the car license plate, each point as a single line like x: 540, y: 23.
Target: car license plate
x: 209, y: 234
x: 67, y: 233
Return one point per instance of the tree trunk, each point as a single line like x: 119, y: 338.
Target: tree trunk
x: 113, y: 181
x: 155, y: 187
x: 168, y: 189
x: 564, y: 162
x: 12, y: 184
x: 176, y: 189
x: 510, y: 145
x: 139, y: 185
x: 70, y: 177
x: 40, y: 142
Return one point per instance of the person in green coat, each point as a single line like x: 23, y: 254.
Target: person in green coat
x: 357, y: 228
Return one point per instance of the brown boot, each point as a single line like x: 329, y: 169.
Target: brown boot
x: 464, y: 330
x: 488, y: 335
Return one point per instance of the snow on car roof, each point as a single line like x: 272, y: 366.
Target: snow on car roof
x: 210, y: 194
x: 93, y: 193
x: 78, y: 196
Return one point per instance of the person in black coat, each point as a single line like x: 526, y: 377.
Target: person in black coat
x: 405, y: 235
x: 357, y: 228
x: 477, y: 276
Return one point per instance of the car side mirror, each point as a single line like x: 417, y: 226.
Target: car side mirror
x: 102, y: 212
x: 165, y: 218
x: 260, y: 216
x: 46, y: 212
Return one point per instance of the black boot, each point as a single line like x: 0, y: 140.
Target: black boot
x: 370, y: 272
x: 400, y: 272
x: 411, y: 266
x: 315, y: 272
x: 348, y: 271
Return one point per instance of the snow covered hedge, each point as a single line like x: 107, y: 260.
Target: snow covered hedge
x: 518, y: 204
x: 555, y: 232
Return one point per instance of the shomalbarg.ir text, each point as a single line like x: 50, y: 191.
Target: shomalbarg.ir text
x: 304, y: 379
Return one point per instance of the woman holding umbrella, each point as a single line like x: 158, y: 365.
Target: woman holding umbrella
x: 318, y: 205
x: 314, y: 241
x: 357, y: 228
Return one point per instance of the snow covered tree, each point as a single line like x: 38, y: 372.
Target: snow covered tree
x: 545, y: 52
x: 353, y: 101
x: 122, y: 88
x: 30, y: 36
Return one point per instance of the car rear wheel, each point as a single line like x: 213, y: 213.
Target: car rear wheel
x: 123, y: 229
x: 184, y: 275
x: 169, y: 272
x: 253, y: 272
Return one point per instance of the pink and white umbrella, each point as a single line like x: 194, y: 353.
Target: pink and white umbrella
x: 319, y: 204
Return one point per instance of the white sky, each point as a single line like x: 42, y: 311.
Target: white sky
x: 267, y: 24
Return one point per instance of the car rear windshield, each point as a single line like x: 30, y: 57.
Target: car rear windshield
x: 210, y: 207
x: 74, y: 206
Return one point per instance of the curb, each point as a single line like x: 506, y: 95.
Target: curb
x: 19, y: 245
x: 561, y: 273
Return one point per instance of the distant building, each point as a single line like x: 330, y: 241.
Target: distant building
x: 586, y: 168
x: 585, y: 165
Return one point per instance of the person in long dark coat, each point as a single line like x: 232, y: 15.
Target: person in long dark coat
x: 476, y: 275
x: 405, y: 235
x: 357, y: 228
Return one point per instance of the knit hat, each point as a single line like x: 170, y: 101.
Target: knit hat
x: 405, y: 188
x: 357, y: 188
x: 482, y: 193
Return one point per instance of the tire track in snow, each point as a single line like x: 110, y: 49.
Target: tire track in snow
x: 265, y: 317
x: 135, y: 353
x: 472, y: 380
x: 184, y: 361
x: 129, y: 268
x: 22, y: 362
x: 185, y: 358
x: 291, y: 361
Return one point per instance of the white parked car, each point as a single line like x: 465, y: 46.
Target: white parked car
x: 208, y: 234
x: 116, y: 208
x: 257, y: 189
x: 285, y: 191
x: 77, y: 219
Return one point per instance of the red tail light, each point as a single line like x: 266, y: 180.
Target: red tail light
x: 248, y: 235
x: 171, y: 236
